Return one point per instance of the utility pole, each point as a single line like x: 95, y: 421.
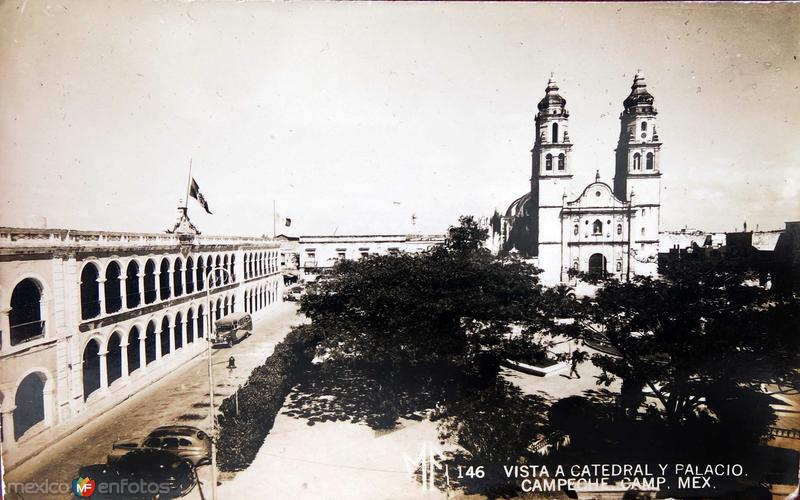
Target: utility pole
x: 211, y: 277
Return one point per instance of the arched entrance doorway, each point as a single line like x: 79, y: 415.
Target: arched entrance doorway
x: 597, y: 264
x: 29, y: 402
x: 91, y: 368
x: 114, y: 358
x: 150, y: 343
x: 164, y: 337
x: 178, y: 331
x: 190, y: 326
x: 133, y: 350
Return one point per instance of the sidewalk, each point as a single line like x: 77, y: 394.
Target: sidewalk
x: 178, y: 398
x: 332, y: 461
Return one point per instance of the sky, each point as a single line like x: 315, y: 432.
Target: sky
x: 381, y: 118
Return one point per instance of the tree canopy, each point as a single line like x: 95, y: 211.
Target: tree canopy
x: 451, y: 304
x: 698, y: 340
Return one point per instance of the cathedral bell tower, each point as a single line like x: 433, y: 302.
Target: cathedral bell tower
x: 638, y: 175
x: 552, y: 173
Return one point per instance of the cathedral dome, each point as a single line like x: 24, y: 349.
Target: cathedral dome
x: 639, y: 100
x: 519, y: 207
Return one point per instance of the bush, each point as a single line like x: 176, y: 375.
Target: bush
x: 261, y: 398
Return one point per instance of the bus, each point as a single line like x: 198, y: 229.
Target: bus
x: 232, y: 328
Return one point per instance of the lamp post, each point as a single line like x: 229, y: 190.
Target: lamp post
x: 211, y: 276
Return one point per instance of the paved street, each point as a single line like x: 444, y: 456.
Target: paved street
x: 175, y: 399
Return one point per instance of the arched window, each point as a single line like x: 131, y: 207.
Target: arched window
x: 201, y: 273
x: 637, y: 161
x: 177, y: 277
x: 561, y: 159
x: 649, y: 161
x: 25, y: 317
x: 597, y: 227
x: 619, y: 228
x: 189, y: 275
x: 29, y: 402
x: 575, y: 230
x: 150, y: 285
x: 644, y: 126
x: 91, y: 368
x: 163, y: 279
x: 225, y: 310
x: 225, y: 276
x: 555, y: 133
x: 217, y: 272
x: 548, y: 162
x: 112, y: 287
x: 90, y: 292
x: 132, y: 285
x: 233, y: 267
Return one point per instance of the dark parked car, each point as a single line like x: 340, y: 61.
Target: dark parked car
x: 187, y: 442
x: 142, y: 474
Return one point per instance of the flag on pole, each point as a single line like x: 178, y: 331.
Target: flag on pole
x: 194, y: 192
x: 282, y: 221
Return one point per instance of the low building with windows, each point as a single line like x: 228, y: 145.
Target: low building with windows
x: 319, y: 253
x: 89, y: 318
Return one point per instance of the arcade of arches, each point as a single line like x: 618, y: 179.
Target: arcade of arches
x: 131, y: 347
x: 110, y: 290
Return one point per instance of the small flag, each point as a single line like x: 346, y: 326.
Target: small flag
x: 288, y: 222
x: 194, y: 192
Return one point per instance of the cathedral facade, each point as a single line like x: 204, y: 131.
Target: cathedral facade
x: 598, y: 228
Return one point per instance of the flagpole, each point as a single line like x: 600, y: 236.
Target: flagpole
x: 274, y: 214
x: 188, y: 187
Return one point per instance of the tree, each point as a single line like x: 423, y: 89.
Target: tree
x: 698, y: 340
x: 451, y: 305
x: 495, y: 427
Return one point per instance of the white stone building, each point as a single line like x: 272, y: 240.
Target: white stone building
x: 597, y: 228
x: 89, y: 318
x: 318, y: 253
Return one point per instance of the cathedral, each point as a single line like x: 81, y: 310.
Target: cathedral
x: 599, y: 228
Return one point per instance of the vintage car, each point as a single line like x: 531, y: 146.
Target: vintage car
x: 141, y: 474
x: 232, y: 328
x: 188, y: 443
x: 293, y: 293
